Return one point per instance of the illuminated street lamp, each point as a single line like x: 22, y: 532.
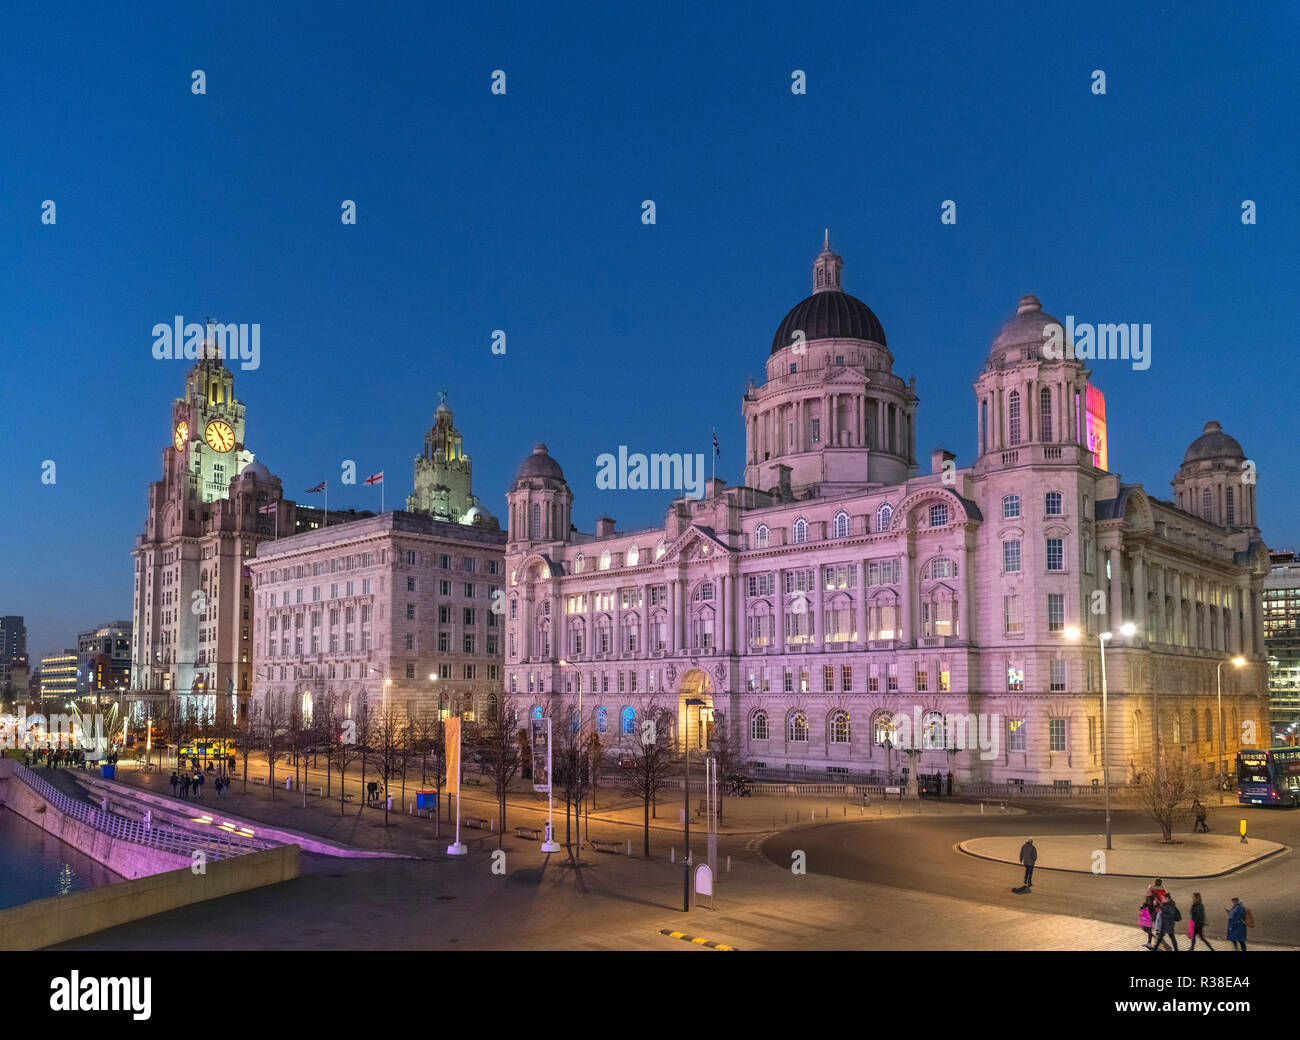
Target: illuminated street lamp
x: 1127, y: 629
x: 686, y: 802
x: 1237, y: 662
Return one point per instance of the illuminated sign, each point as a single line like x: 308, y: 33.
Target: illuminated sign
x: 1095, y: 428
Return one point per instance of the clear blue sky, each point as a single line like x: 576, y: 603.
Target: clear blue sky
x: 479, y: 212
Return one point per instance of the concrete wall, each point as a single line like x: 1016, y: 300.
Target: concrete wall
x: 57, y: 919
x: 126, y: 858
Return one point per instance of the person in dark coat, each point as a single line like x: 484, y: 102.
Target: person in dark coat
x: 1029, y: 856
x: 175, y: 780
x: 1167, y: 922
x: 1237, y: 925
x: 1198, y: 923
x: 1200, y: 825
x: 950, y: 783
x: 185, y: 786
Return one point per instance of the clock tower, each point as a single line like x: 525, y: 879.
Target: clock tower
x: 192, y: 596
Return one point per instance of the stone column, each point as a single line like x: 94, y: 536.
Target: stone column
x: 906, y: 616
x: 673, y: 645
x: 1247, y: 623
x: 1116, y: 588
x: 1140, y: 596
x: 818, y: 627
x: 778, y: 602
x: 860, y: 604
x: 1161, y: 612
x: 1176, y: 594
x: 724, y: 615
x: 645, y: 620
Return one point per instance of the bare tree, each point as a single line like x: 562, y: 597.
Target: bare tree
x: 498, y: 743
x: 570, y: 771
x: 390, y: 738
x: 246, y: 732
x: 273, y: 724
x: 365, y: 734
x: 596, y: 754
x: 648, y: 750
x: 343, y: 743
x: 726, y: 753
x: 1166, y: 794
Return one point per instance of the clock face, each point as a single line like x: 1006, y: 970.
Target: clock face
x: 220, y: 436
x: 182, y: 437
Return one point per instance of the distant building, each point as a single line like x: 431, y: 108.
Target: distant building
x: 444, y: 476
x: 13, y: 649
x: 1282, y: 640
x: 104, y: 658
x: 59, y: 678
x: 307, y: 518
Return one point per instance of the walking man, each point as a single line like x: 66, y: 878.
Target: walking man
x: 175, y: 780
x: 1029, y: 856
x: 1198, y: 923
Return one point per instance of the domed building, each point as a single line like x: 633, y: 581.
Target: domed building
x: 843, y: 615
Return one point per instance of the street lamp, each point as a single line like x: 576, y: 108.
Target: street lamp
x: 686, y: 802
x: 1237, y: 662
x: 1126, y: 629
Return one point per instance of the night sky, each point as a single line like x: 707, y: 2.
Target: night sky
x: 522, y: 212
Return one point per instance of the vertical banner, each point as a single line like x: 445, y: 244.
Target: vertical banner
x: 453, y: 756
x: 541, y: 755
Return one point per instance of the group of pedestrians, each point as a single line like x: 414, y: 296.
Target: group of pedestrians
x: 194, y: 784
x: 57, y: 758
x: 1159, y: 916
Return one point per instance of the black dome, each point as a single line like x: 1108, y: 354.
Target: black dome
x: 829, y: 315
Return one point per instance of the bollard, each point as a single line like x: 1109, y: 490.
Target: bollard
x: 672, y: 855
x: 629, y: 846
x: 728, y: 864
x: 981, y: 808
x: 846, y: 810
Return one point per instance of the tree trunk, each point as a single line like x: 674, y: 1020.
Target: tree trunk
x: 647, y: 828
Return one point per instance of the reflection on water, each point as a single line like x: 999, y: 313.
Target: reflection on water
x: 34, y: 864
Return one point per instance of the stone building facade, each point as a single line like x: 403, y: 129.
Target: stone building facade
x: 848, y: 606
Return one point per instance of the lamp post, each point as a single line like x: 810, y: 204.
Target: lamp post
x: 686, y: 804
x: 1126, y: 629
x: 1237, y: 662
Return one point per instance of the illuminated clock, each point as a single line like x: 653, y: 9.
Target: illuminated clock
x: 182, y: 437
x: 220, y: 436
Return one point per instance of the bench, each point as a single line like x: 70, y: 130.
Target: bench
x: 478, y: 823
x: 611, y: 847
x: 531, y: 833
x: 319, y: 792
x: 259, y: 780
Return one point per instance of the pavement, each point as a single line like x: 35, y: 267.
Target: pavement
x: 1130, y: 855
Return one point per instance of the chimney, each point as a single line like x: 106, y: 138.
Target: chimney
x: 604, y: 527
x: 938, y: 457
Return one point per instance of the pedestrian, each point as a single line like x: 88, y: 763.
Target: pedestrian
x: 1200, y: 825
x: 1146, y: 918
x: 1166, y: 923
x: 1156, y: 890
x: 949, y: 783
x: 1029, y: 856
x: 175, y: 780
x: 185, y: 786
x: 1237, y: 924
x: 1196, y: 926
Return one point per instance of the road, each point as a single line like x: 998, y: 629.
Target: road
x: 919, y: 855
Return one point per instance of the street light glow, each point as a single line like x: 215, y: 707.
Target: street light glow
x: 1239, y: 661
x: 1128, y: 628
x: 1071, y: 633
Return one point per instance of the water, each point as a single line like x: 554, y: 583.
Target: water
x: 34, y: 864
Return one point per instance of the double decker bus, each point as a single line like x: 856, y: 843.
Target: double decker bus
x: 1269, y: 776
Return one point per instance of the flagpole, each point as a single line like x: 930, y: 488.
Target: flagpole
x: 327, y: 506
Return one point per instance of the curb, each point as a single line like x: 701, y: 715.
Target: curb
x: 698, y: 942
x: 960, y: 847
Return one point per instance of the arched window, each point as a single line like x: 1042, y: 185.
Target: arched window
x: 1010, y: 507
x: 628, y: 718
x: 1196, y: 736
x: 1209, y: 726
x: 306, y: 708
x: 1045, y: 414
x: 535, y: 521
x: 1205, y: 504
x: 704, y: 592
x: 841, y: 524
x: 883, y: 517
x: 602, y: 719
x: 800, y: 531
x: 580, y: 564
x: 758, y: 726
x: 604, y: 560
x: 760, y: 536
x: 932, y: 730
x: 1232, y: 512
x: 884, y: 729
x: 939, y: 567
x: 661, y: 548
x: 840, y: 727
x: 798, y: 727
x: 633, y: 555
x: 1013, y: 417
